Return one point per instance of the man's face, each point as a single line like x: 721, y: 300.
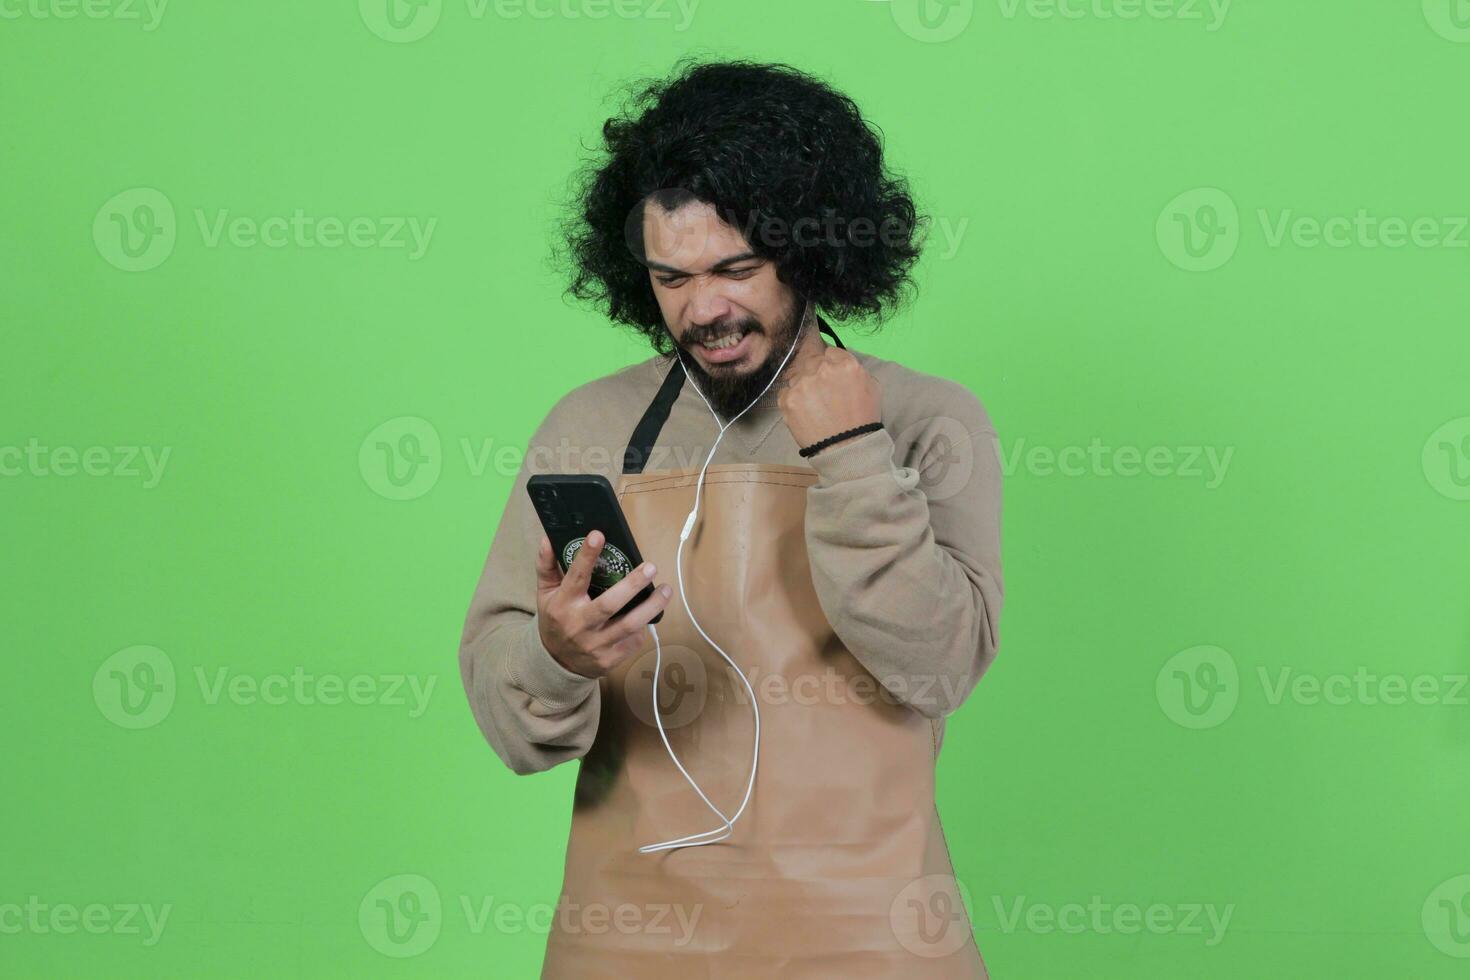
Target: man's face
x: 726, y: 309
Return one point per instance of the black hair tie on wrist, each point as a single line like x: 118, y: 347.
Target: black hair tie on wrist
x: 817, y: 447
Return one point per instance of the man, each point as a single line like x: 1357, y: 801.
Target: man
x: 845, y: 557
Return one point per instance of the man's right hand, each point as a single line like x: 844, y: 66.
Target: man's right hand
x: 579, y: 631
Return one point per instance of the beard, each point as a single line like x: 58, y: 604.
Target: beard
x: 730, y: 392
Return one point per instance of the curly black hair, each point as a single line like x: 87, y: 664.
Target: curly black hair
x: 780, y: 155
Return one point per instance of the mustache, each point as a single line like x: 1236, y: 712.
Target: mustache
x: 701, y: 336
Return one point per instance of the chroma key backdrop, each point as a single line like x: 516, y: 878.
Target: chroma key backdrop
x: 279, y: 316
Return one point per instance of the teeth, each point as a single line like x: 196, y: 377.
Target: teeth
x: 729, y: 340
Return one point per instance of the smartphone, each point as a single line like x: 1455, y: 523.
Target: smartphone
x: 571, y: 506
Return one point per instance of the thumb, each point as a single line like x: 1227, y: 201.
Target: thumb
x: 804, y: 361
x: 548, y: 574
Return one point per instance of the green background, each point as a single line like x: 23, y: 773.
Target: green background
x: 1335, y: 377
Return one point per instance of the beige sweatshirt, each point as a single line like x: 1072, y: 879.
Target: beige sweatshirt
x: 902, y: 534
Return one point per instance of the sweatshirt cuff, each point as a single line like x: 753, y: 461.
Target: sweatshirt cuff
x: 851, y: 459
x: 533, y: 669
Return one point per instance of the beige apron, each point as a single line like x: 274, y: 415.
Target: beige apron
x: 838, y: 867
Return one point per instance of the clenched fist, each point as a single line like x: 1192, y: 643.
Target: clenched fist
x: 827, y: 392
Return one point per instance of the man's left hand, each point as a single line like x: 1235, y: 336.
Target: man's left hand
x: 827, y: 393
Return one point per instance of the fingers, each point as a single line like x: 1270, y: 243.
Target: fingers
x: 799, y: 367
x: 819, y: 367
x: 596, y: 650
x: 579, y: 575
x: 629, y: 645
x: 625, y: 634
x: 615, y: 598
x: 548, y: 573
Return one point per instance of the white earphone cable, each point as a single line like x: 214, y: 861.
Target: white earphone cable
x: 727, y: 823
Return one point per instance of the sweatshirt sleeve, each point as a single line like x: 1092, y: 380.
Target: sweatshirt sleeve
x: 911, y: 582
x: 533, y: 711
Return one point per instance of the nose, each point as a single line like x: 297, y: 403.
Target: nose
x: 708, y: 305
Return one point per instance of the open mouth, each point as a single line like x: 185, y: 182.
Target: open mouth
x: 727, y: 347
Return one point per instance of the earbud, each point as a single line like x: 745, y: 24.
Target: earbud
x: 727, y: 823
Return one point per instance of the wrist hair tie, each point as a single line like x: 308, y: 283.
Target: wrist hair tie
x: 817, y: 447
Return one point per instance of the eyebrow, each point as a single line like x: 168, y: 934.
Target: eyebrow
x: 719, y: 266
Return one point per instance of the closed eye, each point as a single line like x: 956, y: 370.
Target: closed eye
x: 744, y: 272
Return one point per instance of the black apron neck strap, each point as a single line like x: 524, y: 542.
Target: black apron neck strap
x: 654, y: 417
x: 645, y: 434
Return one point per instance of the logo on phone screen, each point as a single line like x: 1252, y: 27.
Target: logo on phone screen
x: 612, y: 565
